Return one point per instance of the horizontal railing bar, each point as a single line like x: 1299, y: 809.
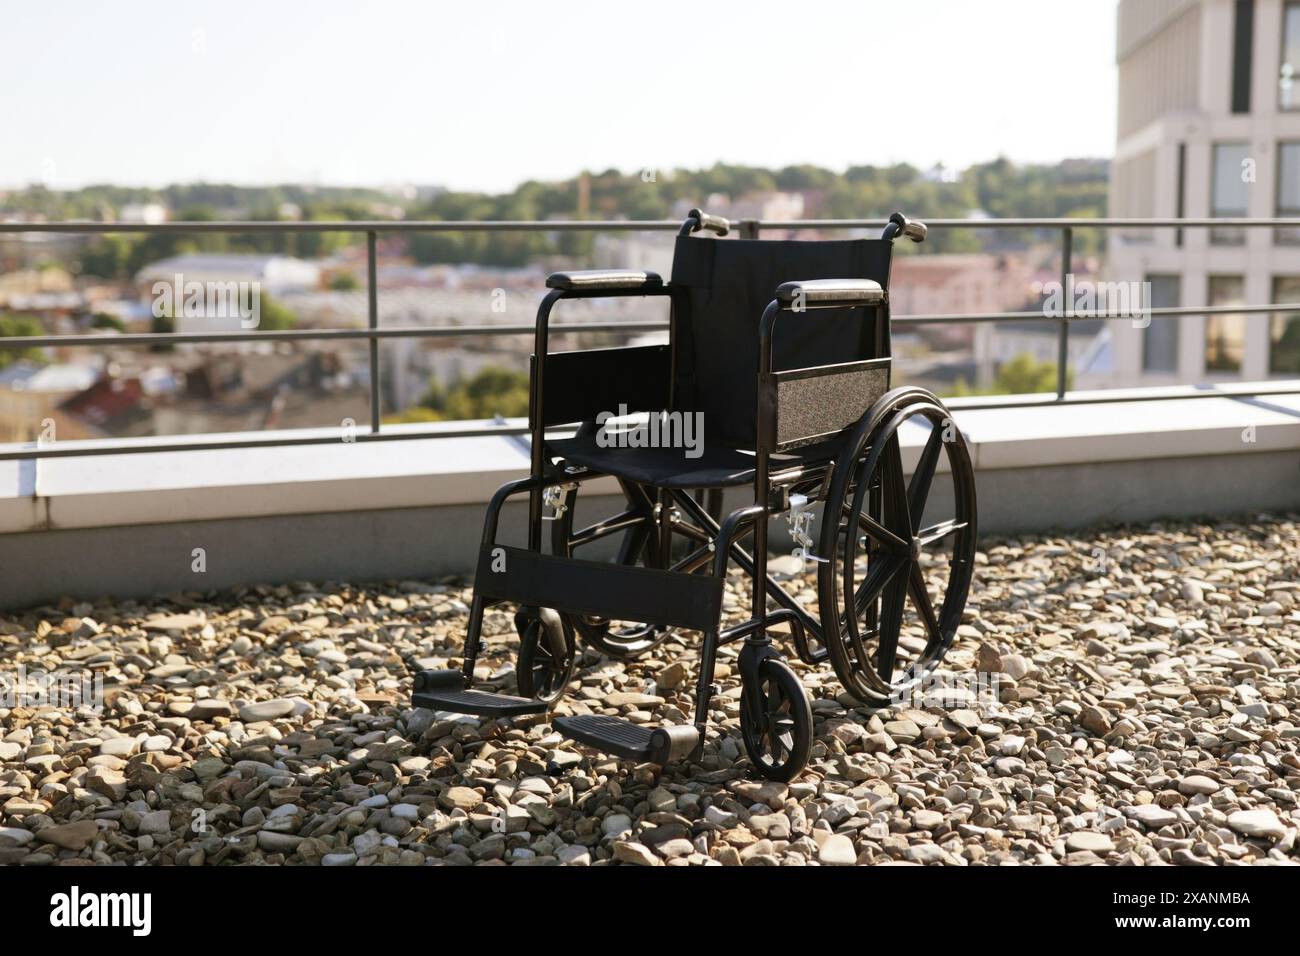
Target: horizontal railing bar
x: 292, y: 335
x: 972, y: 403
x: 218, y: 444
x: 452, y: 331
x: 360, y: 226
x: 1038, y: 223
x: 1088, y: 398
x: 619, y: 225
x: 1154, y: 312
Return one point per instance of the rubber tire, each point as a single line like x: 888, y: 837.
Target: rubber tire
x: 775, y: 670
x: 533, y: 656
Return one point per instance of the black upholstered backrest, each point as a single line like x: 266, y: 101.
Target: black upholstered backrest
x: 724, y: 286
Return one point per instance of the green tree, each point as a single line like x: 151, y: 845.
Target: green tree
x: 490, y: 392
x: 276, y: 317
x: 13, y: 326
x: 107, y: 257
x: 101, y: 320
x: 1021, y: 375
x: 162, y: 324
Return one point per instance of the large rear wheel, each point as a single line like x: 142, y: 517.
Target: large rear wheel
x: 901, y: 548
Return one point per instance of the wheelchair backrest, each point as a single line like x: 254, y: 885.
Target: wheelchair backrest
x: 723, y: 287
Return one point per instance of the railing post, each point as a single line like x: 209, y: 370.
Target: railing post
x: 1063, y: 333
x: 372, y: 288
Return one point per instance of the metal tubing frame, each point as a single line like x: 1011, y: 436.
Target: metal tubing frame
x: 1063, y: 333
x: 537, y: 391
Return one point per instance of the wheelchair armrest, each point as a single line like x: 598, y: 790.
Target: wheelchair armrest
x: 606, y: 279
x: 829, y: 294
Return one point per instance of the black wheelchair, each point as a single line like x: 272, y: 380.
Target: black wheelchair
x: 782, y: 350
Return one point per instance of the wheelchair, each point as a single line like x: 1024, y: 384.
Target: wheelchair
x: 781, y: 349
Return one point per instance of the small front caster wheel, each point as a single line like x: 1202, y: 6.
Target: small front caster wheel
x: 547, y: 654
x: 776, y: 722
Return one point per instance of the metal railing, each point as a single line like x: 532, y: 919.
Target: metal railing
x: 373, y: 334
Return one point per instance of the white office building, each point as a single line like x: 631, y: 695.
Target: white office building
x: 1209, y: 126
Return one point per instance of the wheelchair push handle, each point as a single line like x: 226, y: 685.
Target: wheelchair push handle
x: 698, y: 219
x: 900, y: 225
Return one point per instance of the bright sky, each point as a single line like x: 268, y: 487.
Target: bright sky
x: 482, y: 94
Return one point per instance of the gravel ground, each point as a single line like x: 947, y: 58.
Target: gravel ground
x: 1149, y: 713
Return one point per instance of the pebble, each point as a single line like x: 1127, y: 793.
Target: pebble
x: 1095, y: 721
x: 574, y: 855
x: 837, y: 850
x: 635, y: 854
x: 70, y: 836
x: 1151, y: 815
x: 156, y: 822
x: 460, y: 798
x: 1257, y: 823
x: 1089, y: 841
x: 1196, y: 783
x: 616, y: 824
x: 265, y: 710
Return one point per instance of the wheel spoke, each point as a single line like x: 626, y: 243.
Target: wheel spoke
x: 896, y: 498
x: 881, y: 534
x: 918, y: 489
x: 921, y: 599
x: 937, y: 532
x: 891, y: 622
x: 879, y: 574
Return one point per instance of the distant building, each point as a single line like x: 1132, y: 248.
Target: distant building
x: 22, y: 284
x: 1209, y: 126
x: 766, y: 206
x: 276, y: 274
x: 30, y: 395
x: 265, y: 274
x: 951, y: 284
x: 147, y: 212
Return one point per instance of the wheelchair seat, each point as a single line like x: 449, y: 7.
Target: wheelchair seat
x: 717, y: 466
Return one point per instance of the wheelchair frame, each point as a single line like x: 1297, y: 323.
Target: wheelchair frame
x: 673, y: 594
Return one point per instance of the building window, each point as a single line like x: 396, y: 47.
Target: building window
x: 1284, y: 329
x: 1229, y: 192
x: 1243, y: 37
x: 1160, y: 338
x: 1288, y: 90
x: 1225, y: 332
x: 1288, y: 189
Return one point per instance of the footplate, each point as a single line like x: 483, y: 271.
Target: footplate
x: 446, y: 690
x: 661, y: 745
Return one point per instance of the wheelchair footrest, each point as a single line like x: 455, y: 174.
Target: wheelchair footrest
x: 661, y: 745
x: 446, y: 690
